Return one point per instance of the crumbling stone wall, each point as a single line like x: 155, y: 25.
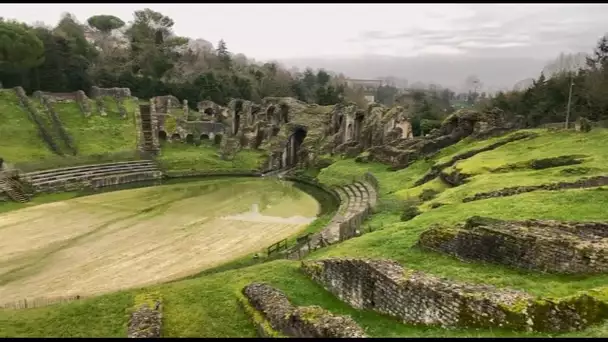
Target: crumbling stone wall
x: 78, y: 96
x: 418, y: 298
x: 546, y: 246
x: 400, y: 152
x: 118, y: 94
x: 587, y: 182
x: 146, y: 321
x: 436, y: 169
x: 276, y: 316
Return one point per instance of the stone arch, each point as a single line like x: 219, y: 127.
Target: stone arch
x: 358, y: 125
x: 254, y: 111
x: 162, y: 135
x: 217, y: 139
x: 275, y: 131
x: 175, y: 137
x: 270, y: 113
x: 236, y: 122
x: 204, y: 137
x: 340, y: 120
x: 189, y: 138
x: 209, y: 111
x: 284, y: 113
x: 293, y: 146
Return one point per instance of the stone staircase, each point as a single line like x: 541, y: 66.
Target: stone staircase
x: 12, y: 189
x: 95, y: 176
x: 356, y: 203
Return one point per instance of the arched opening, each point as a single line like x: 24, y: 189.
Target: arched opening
x: 254, y: 111
x: 270, y: 113
x: 204, y: 137
x: 175, y: 137
x: 275, y: 131
x: 162, y: 135
x: 349, y: 132
x: 208, y: 111
x: 358, y: 126
x: 284, y: 113
x: 295, y: 141
x: 217, y: 139
x: 238, y: 106
x: 340, y: 119
x: 189, y: 139
x: 236, y: 123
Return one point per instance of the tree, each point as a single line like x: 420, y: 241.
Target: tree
x: 223, y: 54
x: 105, y: 23
x: 20, y: 49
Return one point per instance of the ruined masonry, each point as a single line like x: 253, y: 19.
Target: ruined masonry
x: 275, y: 316
x: 545, y: 246
x: 415, y: 297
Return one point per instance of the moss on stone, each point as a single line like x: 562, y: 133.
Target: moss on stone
x: 312, y: 314
x: 256, y: 317
x: 148, y: 298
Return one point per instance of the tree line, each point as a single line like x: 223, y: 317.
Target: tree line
x: 546, y: 100
x: 146, y: 56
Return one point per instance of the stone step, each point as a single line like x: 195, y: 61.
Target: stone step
x: 124, y: 178
x: 94, y: 175
x: 82, y: 167
x: 85, y: 173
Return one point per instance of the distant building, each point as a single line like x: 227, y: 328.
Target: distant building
x: 369, y: 87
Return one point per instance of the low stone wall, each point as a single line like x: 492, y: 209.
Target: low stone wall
x: 546, y: 246
x: 346, y: 222
x: 590, y: 182
x: 274, y: 316
x: 418, y: 298
x: 198, y: 173
x: 313, y: 182
x: 146, y: 321
x: 125, y: 179
x: 436, y: 169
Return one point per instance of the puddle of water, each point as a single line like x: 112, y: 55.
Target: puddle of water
x: 254, y: 216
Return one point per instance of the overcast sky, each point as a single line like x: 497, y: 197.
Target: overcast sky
x: 266, y: 31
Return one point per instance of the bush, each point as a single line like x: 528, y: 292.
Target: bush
x: 584, y: 124
x: 410, y: 211
x: 428, y: 194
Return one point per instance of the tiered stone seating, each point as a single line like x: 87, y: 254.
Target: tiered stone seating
x: 98, y: 175
x: 356, y: 203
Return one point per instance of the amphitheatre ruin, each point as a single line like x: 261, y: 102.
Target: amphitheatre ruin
x: 124, y: 217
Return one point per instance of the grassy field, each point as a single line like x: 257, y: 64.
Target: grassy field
x: 99, y: 134
x: 184, y: 157
x: 20, y: 140
x: 205, y: 304
x: 95, y: 244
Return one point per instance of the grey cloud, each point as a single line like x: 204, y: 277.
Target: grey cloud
x: 548, y: 28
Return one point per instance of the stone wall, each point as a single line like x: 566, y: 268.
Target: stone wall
x: 118, y: 94
x: 546, y: 246
x: 226, y: 173
x: 357, y: 201
x: 146, y: 320
x: 34, y: 116
x: 274, y: 315
x: 125, y: 179
x: 436, y: 169
x: 414, y: 297
x: 588, y: 182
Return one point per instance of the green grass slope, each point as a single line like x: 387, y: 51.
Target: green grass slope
x: 19, y: 137
x: 180, y: 157
x: 205, y: 305
x: 95, y: 135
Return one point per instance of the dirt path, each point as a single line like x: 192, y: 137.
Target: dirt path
x: 131, y: 238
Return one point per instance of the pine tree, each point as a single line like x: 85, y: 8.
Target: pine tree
x: 223, y: 54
